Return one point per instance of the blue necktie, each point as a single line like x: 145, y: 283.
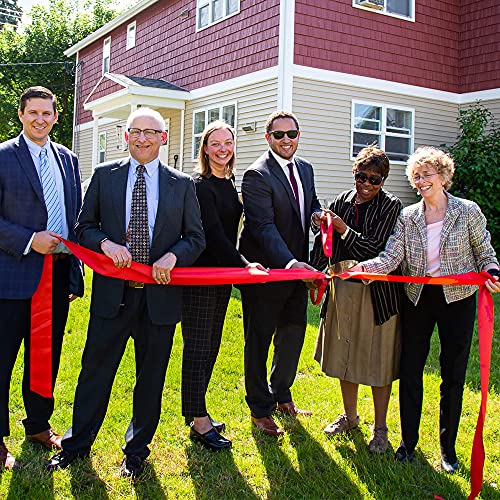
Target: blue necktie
x: 54, y: 216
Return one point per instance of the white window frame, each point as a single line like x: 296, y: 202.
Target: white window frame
x: 106, y: 54
x: 411, y: 17
x: 206, y: 109
x: 101, y: 150
x: 130, y: 44
x: 203, y: 3
x: 383, y: 129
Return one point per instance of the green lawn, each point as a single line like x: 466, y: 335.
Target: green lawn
x: 305, y: 464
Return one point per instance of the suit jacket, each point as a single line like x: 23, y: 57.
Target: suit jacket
x: 464, y: 246
x: 177, y: 229
x: 23, y: 212
x: 272, y: 230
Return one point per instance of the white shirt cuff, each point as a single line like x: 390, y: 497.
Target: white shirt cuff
x: 28, y: 246
x: 291, y: 263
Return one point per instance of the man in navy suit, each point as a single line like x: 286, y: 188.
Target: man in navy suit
x: 280, y: 202
x: 170, y: 233
x: 25, y: 239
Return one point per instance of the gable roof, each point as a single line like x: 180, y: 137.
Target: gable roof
x: 104, y: 30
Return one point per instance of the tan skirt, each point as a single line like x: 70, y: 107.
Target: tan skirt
x: 351, y: 346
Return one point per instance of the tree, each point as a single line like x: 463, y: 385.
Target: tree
x: 476, y: 153
x: 10, y: 13
x: 36, y: 57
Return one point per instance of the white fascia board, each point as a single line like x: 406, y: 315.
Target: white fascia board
x: 232, y: 84
x: 158, y: 93
x: 104, y: 30
x: 481, y: 95
x: 393, y: 87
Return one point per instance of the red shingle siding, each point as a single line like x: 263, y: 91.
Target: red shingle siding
x: 336, y: 36
x: 169, y: 48
x: 479, y: 45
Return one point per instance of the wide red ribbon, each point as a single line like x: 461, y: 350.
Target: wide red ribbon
x: 41, y: 333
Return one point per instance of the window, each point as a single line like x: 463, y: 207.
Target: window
x: 102, y: 147
x: 390, y: 127
x: 211, y: 11
x: 398, y: 8
x: 202, y: 117
x: 131, y: 35
x: 106, y: 53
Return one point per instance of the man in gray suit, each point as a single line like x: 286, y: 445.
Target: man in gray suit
x: 135, y: 209
x: 279, y: 200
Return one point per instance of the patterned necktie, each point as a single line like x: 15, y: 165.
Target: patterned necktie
x: 293, y: 182
x: 138, y: 228
x: 54, y: 216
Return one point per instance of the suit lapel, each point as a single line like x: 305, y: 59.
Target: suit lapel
x: 119, y: 178
x: 277, y: 171
x: 165, y: 198
x: 26, y: 161
x: 305, y: 186
x: 452, y: 214
x: 418, y: 217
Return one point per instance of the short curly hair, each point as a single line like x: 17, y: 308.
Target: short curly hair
x: 374, y: 158
x: 440, y: 161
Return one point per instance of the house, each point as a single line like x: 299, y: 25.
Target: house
x: 354, y: 71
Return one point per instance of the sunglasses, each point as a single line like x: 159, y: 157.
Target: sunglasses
x: 374, y: 180
x: 279, y: 134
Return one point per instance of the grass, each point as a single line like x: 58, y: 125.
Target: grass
x: 305, y: 464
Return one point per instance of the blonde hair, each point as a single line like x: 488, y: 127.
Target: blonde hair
x: 440, y: 161
x: 203, y: 165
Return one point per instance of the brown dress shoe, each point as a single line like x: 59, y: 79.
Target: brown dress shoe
x: 48, y: 438
x: 268, y: 426
x: 7, y: 461
x: 291, y: 409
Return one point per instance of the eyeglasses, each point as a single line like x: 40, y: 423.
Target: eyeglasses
x: 374, y: 180
x: 149, y: 133
x: 424, y: 177
x: 279, y: 134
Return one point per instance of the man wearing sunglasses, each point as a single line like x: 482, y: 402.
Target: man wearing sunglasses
x: 279, y: 201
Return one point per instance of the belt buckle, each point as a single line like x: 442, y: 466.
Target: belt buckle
x: 136, y: 284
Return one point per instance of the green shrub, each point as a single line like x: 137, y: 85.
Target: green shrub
x: 476, y: 154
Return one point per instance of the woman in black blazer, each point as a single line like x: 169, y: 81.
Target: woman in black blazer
x: 204, y: 307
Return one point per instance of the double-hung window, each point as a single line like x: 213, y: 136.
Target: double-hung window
x: 398, y: 8
x: 131, y: 30
x: 212, y: 11
x: 102, y: 147
x: 202, y: 117
x: 390, y: 127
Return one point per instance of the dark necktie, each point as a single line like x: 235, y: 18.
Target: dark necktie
x: 293, y: 182
x: 138, y: 228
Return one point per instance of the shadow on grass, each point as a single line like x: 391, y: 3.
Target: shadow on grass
x: 31, y: 480
x: 318, y: 475
x: 85, y: 482
x: 215, y: 474
x: 386, y: 478
x: 148, y: 486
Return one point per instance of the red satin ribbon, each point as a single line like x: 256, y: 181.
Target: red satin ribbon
x: 327, y: 235
x: 41, y: 333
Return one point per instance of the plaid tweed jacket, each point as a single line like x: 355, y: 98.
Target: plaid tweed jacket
x: 464, y: 247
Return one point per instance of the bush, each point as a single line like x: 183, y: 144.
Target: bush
x: 476, y: 154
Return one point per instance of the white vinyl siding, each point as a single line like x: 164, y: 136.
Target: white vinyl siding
x: 255, y: 103
x: 324, y: 112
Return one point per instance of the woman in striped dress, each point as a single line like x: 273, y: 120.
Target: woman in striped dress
x: 358, y: 340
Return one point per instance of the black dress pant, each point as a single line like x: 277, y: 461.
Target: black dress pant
x: 104, y: 348
x: 15, y: 324
x: 203, y: 314
x: 455, y: 323
x: 273, y: 312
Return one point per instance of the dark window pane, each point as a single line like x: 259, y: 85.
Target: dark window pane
x: 397, y: 148
x: 359, y: 141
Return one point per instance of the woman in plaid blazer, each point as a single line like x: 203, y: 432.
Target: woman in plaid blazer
x: 440, y: 235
